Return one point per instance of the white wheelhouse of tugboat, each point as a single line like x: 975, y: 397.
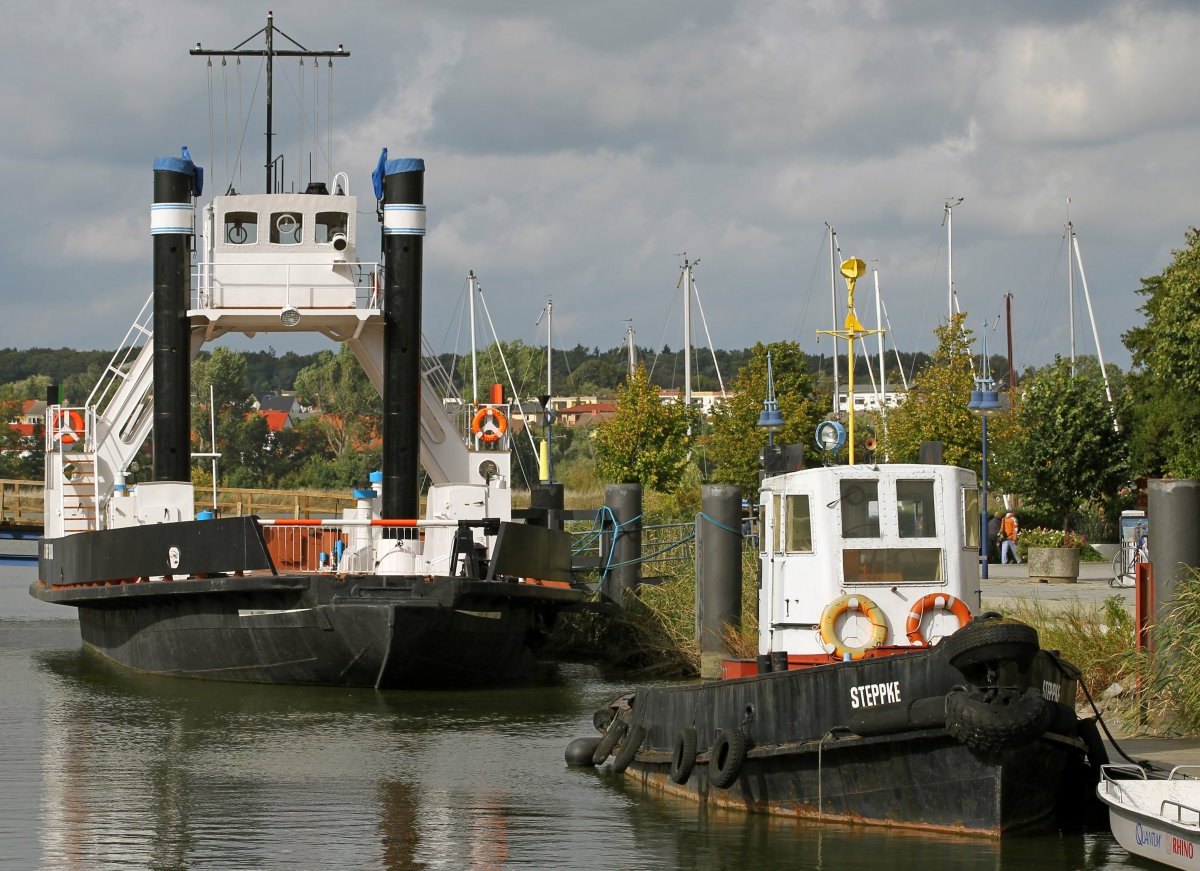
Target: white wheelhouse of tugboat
x: 890, y: 534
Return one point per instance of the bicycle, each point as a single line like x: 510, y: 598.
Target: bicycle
x: 1125, y: 563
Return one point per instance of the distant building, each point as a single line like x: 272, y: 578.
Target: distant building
x: 281, y: 410
x: 868, y: 400
x: 704, y: 400
x: 587, y: 413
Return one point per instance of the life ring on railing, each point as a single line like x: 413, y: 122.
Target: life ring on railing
x: 67, y: 426
x: 489, y: 424
x: 937, y: 602
x: 843, y: 605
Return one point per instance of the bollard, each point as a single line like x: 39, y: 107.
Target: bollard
x: 625, y: 549
x: 764, y: 663
x: 779, y: 660
x: 1173, y: 513
x: 718, y: 572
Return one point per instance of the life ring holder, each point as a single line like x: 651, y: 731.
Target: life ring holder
x: 67, y: 426
x: 936, y: 602
x: 499, y: 424
x: 843, y: 605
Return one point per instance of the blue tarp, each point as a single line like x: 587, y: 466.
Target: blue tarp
x: 387, y: 167
x: 183, y: 164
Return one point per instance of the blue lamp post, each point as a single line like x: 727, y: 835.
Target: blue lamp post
x: 771, y: 418
x: 984, y: 401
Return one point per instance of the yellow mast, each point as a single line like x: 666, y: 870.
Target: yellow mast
x: 852, y: 270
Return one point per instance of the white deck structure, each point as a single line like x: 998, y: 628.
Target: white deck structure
x: 835, y: 540
x: 265, y: 263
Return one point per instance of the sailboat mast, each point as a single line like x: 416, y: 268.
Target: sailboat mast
x: 474, y: 352
x: 1071, y: 289
x: 631, y: 347
x: 1087, y: 298
x: 686, y: 280
x: 1012, y: 373
x: 549, y: 343
x: 950, y: 204
x: 833, y: 273
x: 882, y: 358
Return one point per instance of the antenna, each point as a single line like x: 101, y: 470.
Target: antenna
x: 270, y: 53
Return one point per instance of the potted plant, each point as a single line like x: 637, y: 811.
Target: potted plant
x: 1052, y: 555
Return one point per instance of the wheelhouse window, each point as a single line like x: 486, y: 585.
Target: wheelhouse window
x: 330, y: 224
x: 860, y: 508
x: 915, y: 509
x: 888, y: 565
x: 287, y: 228
x: 241, y: 228
x: 970, y: 518
x: 799, y: 525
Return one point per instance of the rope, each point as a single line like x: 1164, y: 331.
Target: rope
x: 719, y: 524
x: 225, y: 109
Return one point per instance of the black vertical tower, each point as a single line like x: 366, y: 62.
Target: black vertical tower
x: 176, y: 179
x: 403, y: 232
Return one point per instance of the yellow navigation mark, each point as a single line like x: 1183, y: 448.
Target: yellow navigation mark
x: 853, y: 269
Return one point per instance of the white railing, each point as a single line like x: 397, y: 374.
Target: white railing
x: 278, y: 275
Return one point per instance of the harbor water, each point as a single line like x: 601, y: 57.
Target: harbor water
x: 100, y: 768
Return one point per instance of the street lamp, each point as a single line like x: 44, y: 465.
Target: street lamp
x: 984, y: 401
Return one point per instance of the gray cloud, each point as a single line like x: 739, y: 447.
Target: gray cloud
x: 574, y: 150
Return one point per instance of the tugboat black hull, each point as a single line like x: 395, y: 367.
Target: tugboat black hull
x: 906, y: 740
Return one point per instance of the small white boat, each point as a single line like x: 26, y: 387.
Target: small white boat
x: 1154, y: 819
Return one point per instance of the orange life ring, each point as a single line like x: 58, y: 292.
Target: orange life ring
x: 489, y: 431
x: 830, y: 639
x: 936, y: 601
x: 72, y: 431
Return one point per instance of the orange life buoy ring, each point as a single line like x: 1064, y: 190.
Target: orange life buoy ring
x: 830, y: 639
x: 489, y: 424
x: 939, y: 602
x: 67, y: 426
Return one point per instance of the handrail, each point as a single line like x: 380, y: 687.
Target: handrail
x: 1179, y: 809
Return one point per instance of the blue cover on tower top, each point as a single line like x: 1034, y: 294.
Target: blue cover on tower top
x: 387, y: 167
x: 183, y: 164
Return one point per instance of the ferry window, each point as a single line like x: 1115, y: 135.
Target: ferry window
x: 776, y: 523
x: 887, y: 565
x: 287, y: 228
x: 763, y: 528
x: 971, y: 519
x: 915, y: 509
x: 241, y: 228
x: 799, y: 525
x: 860, y: 508
x: 328, y: 225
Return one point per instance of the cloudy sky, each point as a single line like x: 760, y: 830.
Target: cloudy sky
x: 574, y: 150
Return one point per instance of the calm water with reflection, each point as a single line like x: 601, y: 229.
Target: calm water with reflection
x: 102, y: 769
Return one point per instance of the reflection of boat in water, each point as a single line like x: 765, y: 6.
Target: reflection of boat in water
x: 1155, y: 818
x: 879, y: 695
x: 379, y: 597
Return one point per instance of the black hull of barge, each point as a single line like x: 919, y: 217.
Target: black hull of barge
x: 379, y: 631
x: 813, y: 753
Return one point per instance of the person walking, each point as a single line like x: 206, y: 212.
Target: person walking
x: 993, y: 534
x: 1009, y: 530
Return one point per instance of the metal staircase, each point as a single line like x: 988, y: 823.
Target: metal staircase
x: 118, y: 415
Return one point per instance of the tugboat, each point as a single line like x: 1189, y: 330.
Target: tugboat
x: 881, y: 695
x: 379, y: 597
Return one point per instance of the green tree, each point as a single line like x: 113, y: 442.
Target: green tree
x: 647, y: 440
x: 936, y: 407
x: 1069, y: 452
x: 348, y: 403
x: 737, y: 441
x: 1163, y: 416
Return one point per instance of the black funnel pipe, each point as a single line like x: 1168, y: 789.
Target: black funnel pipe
x: 176, y: 179
x: 403, y: 238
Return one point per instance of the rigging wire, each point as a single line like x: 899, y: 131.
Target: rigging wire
x: 329, y: 121
x: 712, y: 350
x: 210, y: 113
x: 225, y: 108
